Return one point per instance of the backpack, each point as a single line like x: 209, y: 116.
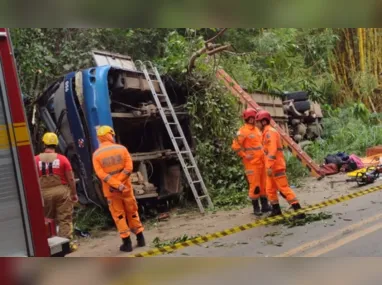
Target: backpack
x: 334, y: 159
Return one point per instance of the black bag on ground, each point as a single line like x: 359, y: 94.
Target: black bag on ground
x: 334, y: 159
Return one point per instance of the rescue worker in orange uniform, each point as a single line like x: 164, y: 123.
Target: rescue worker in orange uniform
x: 113, y: 166
x: 248, y: 145
x: 275, y: 166
x: 58, y: 186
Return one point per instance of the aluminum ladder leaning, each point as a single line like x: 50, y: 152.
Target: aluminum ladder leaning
x: 185, y: 157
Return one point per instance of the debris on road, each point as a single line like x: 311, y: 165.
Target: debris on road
x: 290, y: 222
x: 158, y: 243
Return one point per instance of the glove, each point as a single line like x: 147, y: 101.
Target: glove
x: 269, y: 172
x: 120, y: 188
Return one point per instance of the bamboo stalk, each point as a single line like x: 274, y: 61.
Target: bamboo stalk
x: 349, y: 50
x: 375, y: 53
x: 360, y: 49
x: 379, y: 43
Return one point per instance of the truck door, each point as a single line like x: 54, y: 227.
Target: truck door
x: 14, y: 234
x: 22, y: 228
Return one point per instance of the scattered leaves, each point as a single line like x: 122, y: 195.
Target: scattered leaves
x: 310, y: 218
x: 159, y: 243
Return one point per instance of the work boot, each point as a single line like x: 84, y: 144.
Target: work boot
x: 126, y: 246
x: 264, y: 205
x: 141, y: 240
x: 276, y: 210
x: 297, y: 207
x: 256, y: 207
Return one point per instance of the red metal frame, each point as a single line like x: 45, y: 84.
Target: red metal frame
x: 25, y: 152
x: 292, y: 146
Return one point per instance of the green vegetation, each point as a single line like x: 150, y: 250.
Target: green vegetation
x: 310, y: 218
x: 159, y: 243
x: 336, y: 66
x: 92, y: 219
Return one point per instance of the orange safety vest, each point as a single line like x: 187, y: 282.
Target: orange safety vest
x: 113, y: 166
x: 249, y: 142
x: 273, y: 149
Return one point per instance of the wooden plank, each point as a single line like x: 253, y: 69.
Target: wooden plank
x: 139, y: 84
x: 145, y: 196
x: 152, y: 155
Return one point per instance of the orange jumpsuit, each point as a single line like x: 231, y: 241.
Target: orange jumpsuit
x: 248, y: 142
x: 113, y: 166
x: 274, y: 159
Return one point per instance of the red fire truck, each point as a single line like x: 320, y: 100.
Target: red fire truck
x: 23, y: 229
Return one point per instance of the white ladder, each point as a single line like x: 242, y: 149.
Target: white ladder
x: 190, y: 167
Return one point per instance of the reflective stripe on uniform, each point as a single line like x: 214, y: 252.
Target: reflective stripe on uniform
x: 250, y: 171
x: 253, y: 148
x: 278, y: 174
x: 115, y: 171
x: 271, y: 157
x: 126, y: 172
x: 98, y: 151
x: 107, y: 178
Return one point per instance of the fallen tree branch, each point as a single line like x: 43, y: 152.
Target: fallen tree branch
x: 209, y: 48
x: 216, y: 36
x: 212, y: 52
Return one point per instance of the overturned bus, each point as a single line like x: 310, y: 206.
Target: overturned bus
x: 115, y: 93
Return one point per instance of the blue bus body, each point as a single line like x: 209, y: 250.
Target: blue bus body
x: 75, y: 105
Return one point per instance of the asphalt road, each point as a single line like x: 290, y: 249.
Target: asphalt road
x: 355, y: 230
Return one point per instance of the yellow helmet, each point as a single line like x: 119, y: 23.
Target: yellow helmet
x: 50, y: 139
x: 104, y: 130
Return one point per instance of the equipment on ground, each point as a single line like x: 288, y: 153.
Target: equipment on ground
x: 185, y: 156
x: 288, y: 142
x: 362, y: 177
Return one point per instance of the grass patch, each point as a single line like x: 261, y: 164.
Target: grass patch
x: 92, y: 219
x: 231, y: 201
x: 310, y: 218
x: 157, y: 242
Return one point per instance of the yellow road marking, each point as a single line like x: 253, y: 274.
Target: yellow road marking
x: 258, y: 223
x: 338, y: 233
x: 345, y: 240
